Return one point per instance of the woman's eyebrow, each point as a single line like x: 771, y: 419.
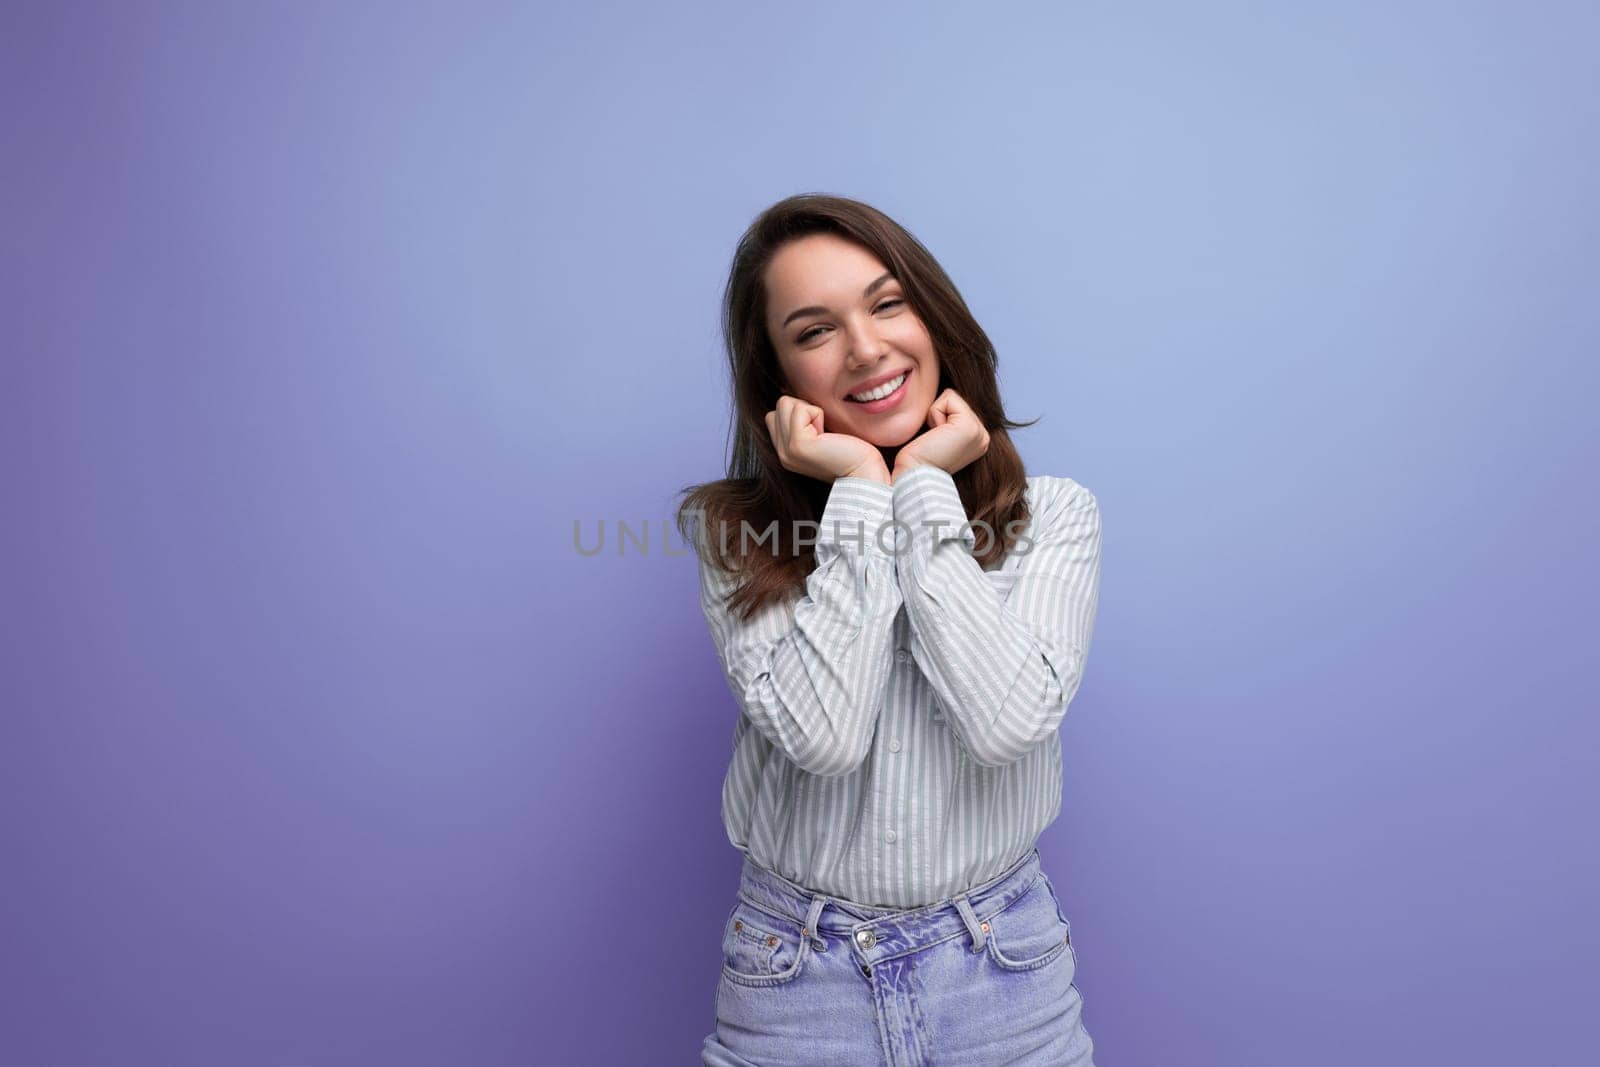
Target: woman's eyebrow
x: 814, y: 309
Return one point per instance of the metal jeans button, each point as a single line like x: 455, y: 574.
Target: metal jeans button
x: 866, y: 938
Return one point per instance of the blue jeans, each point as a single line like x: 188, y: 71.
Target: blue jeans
x: 984, y: 978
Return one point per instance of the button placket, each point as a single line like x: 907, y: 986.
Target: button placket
x: 865, y: 941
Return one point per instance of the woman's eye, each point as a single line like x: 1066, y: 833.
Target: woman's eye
x: 808, y: 334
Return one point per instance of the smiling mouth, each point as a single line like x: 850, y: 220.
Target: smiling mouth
x: 887, y: 389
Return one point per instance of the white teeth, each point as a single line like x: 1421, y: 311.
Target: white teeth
x: 881, y: 391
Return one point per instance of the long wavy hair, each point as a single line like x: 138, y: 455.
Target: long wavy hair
x: 758, y: 489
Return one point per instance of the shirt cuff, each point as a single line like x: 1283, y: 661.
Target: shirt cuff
x: 856, y: 513
x: 927, y: 494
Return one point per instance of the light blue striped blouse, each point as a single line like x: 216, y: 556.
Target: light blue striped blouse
x: 898, y: 738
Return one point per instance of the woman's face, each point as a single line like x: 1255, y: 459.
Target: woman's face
x: 840, y: 324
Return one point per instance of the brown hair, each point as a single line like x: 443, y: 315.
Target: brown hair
x: 758, y: 489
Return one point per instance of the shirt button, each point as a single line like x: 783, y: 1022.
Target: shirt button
x: 894, y: 746
x: 890, y: 837
x: 902, y: 655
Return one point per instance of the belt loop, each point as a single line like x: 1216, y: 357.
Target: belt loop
x: 810, y: 929
x: 979, y: 931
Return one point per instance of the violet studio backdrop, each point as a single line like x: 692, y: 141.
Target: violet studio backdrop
x: 321, y: 743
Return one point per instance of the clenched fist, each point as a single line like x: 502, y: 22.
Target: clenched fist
x: 805, y: 448
x: 957, y: 437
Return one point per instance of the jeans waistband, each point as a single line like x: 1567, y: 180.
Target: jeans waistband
x: 877, y: 934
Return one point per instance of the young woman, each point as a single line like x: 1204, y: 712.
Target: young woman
x: 903, y: 616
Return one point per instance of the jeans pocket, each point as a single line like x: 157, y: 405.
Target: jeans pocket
x: 1032, y: 932
x: 760, y: 948
x: 1062, y: 915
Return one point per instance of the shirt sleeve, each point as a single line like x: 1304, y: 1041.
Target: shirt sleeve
x: 1004, y: 667
x: 812, y: 673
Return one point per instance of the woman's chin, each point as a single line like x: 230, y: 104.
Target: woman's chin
x: 889, y: 433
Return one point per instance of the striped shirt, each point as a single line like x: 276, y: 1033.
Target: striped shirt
x: 898, y: 738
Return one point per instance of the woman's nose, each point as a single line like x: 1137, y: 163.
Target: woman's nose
x: 866, y: 347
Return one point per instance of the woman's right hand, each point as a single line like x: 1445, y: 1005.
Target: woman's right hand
x: 803, y: 447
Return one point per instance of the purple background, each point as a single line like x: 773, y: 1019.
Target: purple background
x: 322, y: 744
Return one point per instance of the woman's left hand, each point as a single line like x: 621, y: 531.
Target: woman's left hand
x: 955, y: 439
